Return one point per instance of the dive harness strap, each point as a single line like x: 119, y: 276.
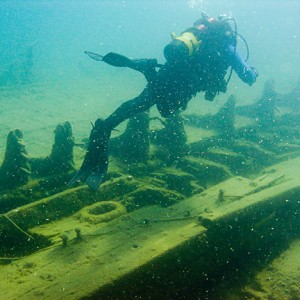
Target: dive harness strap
x: 190, y: 40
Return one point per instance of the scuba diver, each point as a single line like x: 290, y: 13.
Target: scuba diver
x: 196, y: 61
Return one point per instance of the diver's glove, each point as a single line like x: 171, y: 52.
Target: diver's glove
x: 249, y: 75
x: 254, y: 70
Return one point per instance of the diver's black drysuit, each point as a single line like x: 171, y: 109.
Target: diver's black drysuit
x: 175, y: 84
x: 169, y: 89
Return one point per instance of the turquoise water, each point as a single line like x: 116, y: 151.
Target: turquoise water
x: 46, y: 79
x: 59, y: 32
x: 42, y: 42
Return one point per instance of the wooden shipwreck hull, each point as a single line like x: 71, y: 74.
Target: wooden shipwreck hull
x: 197, y: 240
x: 189, y: 211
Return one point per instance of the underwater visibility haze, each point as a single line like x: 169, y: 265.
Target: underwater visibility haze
x: 201, y: 204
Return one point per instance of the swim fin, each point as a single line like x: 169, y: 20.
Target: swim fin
x: 80, y: 175
x: 94, y: 167
x: 94, y: 56
x: 97, y: 176
x: 111, y: 58
x: 145, y: 66
x: 117, y: 60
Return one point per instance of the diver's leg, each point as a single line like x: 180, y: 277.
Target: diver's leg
x: 94, y: 167
x: 130, y: 108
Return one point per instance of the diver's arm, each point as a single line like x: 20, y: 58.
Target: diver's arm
x: 244, y: 71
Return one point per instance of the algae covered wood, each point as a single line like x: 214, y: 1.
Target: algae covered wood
x: 141, y: 243
x: 100, y: 258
